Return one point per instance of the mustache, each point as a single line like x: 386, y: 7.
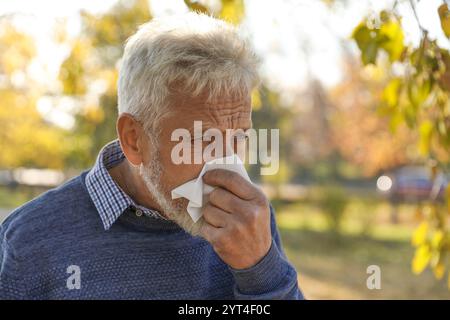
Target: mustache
x: 175, y: 210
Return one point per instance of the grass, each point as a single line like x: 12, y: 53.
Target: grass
x: 14, y: 197
x: 10, y: 198
x: 334, y: 267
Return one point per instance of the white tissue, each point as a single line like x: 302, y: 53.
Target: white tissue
x: 197, y: 192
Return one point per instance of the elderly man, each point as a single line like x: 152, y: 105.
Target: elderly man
x: 114, y: 232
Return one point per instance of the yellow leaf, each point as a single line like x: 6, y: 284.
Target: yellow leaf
x: 421, y: 259
x: 444, y: 15
x: 447, y: 194
x: 232, y: 11
x: 196, y: 6
x: 392, y: 34
x: 391, y: 92
x: 256, y: 99
x: 438, y: 236
x: 439, y: 270
x: 426, y: 131
x: 420, y: 234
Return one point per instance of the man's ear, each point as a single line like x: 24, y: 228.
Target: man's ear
x: 131, y: 133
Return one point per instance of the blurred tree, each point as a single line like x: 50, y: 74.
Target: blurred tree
x: 311, y: 128
x: 89, y: 74
x: 360, y: 135
x: 417, y: 95
x: 268, y: 112
x: 22, y: 125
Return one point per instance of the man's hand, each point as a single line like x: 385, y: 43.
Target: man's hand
x: 237, y: 219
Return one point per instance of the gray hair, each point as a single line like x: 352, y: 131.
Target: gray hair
x: 189, y: 54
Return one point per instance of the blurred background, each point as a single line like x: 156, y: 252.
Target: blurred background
x: 358, y: 89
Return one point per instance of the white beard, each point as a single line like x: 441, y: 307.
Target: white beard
x: 174, y: 210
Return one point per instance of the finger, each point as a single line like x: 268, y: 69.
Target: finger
x: 214, y: 215
x: 227, y: 201
x: 231, y: 181
x: 209, y: 232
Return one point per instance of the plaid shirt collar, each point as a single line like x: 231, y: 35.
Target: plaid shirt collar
x: 109, y: 199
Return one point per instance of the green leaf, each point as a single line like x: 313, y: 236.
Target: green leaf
x: 388, y: 37
x: 369, y: 55
x: 410, y: 115
x: 366, y: 42
x: 418, y: 91
x: 444, y: 80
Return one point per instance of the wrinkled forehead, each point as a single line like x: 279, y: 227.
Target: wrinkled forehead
x: 227, y: 112
x: 231, y: 113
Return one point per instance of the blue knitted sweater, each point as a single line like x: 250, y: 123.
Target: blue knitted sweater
x: 55, y: 247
